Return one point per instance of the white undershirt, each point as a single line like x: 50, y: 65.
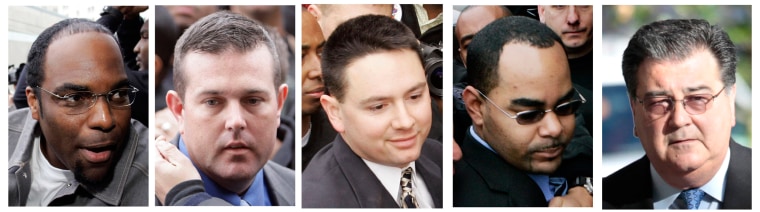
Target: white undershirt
x: 47, y: 180
x: 390, y: 177
x: 305, y: 138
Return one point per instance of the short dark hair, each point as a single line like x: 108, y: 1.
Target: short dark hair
x: 36, y: 58
x: 677, y: 39
x: 485, y: 49
x: 357, y: 38
x: 220, y: 32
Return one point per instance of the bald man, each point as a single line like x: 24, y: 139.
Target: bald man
x: 473, y: 19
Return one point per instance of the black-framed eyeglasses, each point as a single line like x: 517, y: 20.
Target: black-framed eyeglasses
x: 658, y: 106
x: 81, y: 101
x: 533, y: 116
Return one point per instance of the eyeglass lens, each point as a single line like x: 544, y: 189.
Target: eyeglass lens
x: 533, y: 116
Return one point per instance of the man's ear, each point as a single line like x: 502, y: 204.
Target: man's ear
x: 31, y: 100
x: 541, y: 10
x: 316, y: 12
x: 632, y: 101
x: 473, y: 105
x: 461, y: 56
x: 332, y: 108
x: 175, y: 105
x: 732, y: 104
x: 282, y: 94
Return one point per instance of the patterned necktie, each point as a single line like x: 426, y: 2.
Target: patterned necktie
x: 406, y: 197
x: 692, y: 197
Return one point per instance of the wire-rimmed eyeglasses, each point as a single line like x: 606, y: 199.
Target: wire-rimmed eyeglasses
x: 533, y: 116
x: 658, y: 106
x: 81, y: 101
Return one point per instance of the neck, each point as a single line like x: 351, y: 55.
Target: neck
x: 573, y: 53
x: 305, y: 124
x: 239, y: 187
x: 49, y: 154
x: 433, y: 10
x: 693, y: 178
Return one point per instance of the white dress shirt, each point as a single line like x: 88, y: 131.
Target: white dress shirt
x: 664, y: 196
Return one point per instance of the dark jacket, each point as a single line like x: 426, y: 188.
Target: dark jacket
x: 483, y: 179
x: 338, y: 178
x: 631, y: 186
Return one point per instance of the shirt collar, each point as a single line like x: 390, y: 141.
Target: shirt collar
x: 256, y: 195
x: 480, y: 140
x: 664, y: 195
x: 389, y: 176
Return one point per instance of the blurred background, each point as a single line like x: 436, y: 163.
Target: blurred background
x: 620, y: 147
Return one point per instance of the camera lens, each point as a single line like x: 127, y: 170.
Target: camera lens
x: 434, y: 72
x: 433, y: 58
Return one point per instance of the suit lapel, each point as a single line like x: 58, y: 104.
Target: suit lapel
x: 367, y: 189
x: 427, y: 169
x: 501, y: 176
x: 641, y: 185
x: 630, y: 187
x: 276, y: 186
x: 738, y: 190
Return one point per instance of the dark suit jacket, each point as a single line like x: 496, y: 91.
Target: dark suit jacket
x: 322, y: 133
x: 483, y: 179
x: 631, y: 186
x: 338, y: 178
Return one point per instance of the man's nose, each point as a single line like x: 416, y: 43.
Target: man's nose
x: 235, y: 120
x: 101, y: 115
x: 572, y: 15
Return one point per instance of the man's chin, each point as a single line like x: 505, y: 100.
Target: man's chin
x: 95, y: 179
x: 545, y: 167
x: 237, y: 173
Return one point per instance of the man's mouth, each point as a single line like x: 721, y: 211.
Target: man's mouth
x: 98, y: 153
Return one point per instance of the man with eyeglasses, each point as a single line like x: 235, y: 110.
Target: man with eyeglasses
x: 522, y: 104
x: 76, y: 145
x: 681, y: 76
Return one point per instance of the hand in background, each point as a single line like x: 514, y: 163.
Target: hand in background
x: 576, y: 197
x: 456, y: 151
x: 172, y: 168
